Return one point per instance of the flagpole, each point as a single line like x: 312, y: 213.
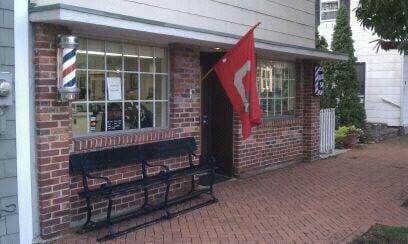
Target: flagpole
x: 212, y: 68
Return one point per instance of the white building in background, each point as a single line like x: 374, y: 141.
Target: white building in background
x: 383, y: 75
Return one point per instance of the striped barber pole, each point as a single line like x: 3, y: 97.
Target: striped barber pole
x: 318, y: 81
x: 69, y: 67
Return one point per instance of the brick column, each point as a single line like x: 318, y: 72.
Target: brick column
x: 311, y: 113
x: 53, y: 135
x: 185, y: 98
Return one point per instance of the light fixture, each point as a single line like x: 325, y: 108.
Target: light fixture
x: 217, y: 48
x: 66, y: 60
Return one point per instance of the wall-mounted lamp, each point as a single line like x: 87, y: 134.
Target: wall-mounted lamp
x: 67, y: 84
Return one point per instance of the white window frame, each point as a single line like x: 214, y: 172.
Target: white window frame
x: 321, y: 10
x: 271, y: 81
x: 87, y: 102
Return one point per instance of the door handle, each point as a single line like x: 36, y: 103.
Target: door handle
x: 204, y: 120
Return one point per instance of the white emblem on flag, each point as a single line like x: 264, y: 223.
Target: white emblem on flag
x: 238, y: 82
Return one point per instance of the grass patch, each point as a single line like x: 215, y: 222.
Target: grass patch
x: 384, y: 234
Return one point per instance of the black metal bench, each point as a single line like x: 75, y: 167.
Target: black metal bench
x: 91, y: 162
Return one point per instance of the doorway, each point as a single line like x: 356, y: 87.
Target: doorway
x: 216, y: 119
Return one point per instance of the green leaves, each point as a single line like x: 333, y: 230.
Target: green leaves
x: 320, y: 42
x: 341, y: 84
x: 388, y: 19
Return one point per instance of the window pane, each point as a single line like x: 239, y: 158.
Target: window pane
x: 81, y: 55
x: 146, y: 59
x: 113, y: 56
x: 131, y: 115
x: 271, y: 107
x: 79, y: 119
x: 114, y: 85
x: 161, y: 114
x: 278, y: 107
x: 160, y: 60
x: 131, y: 59
x: 270, y: 86
x: 285, y: 91
x: 161, y: 87
x: 131, y: 86
x: 146, y: 114
x: 96, y: 55
x: 285, y: 108
x: 292, y: 88
x: 330, y: 5
x: 264, y: 106
x: 81, y: 84
x: 329, y: 15
x: 114, y: 120
x: 291, y: 106
x: 146, y: 87
x: 96, y: 86
x: 277, y: 83
x: 96, y: 117
x: 264, y: 88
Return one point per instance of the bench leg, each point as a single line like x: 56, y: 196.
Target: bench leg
x: 193, y: 183
x: 212, y: 179
x: 88, y: 212
x: 166, y: 199
x: 108, y: 216
x: 146, y: 198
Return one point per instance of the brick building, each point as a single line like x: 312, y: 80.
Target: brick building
x: 158, y: 52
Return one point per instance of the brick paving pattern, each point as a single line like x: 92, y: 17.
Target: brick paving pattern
x: 328, y: 201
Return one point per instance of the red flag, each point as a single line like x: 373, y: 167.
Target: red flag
x: 237, y: 73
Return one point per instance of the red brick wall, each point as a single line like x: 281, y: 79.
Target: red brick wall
x: 311, y: 116
x: 282, y: 140
x: 276, y: 141
x: 53, y: 135
x: 59, y: 203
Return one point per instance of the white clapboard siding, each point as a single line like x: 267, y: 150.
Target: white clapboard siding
x: 283, y: 21
x: 327, y: 130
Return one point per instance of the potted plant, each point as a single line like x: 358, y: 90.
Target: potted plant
x: 352, y: 136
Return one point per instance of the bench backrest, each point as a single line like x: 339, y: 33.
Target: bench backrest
x: 115, y: 157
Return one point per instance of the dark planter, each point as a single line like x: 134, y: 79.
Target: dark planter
x: 350, y: 141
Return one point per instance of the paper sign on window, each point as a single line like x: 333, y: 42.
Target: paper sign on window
x: 114, y: 88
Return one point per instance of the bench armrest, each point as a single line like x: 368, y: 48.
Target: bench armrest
x: 165, y: 167
x: 107, y: 183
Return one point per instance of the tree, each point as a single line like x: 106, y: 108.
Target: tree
x: 388, y: 19
x: 320, y: 42
x: 342, y: 86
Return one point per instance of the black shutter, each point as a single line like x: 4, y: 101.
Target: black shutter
x: 361, y: 69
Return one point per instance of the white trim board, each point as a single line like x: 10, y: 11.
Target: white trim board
x: 24, y: 99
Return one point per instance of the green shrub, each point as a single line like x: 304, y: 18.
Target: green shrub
x: 341, y: 134
x: 343, y: 131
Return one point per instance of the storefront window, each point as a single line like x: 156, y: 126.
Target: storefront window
x: 123, y: 87
x: 276, y: 87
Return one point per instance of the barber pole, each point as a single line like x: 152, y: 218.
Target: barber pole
x: 67, y: 48
x: 318, y: 81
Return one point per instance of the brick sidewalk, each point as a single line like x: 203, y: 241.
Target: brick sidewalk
x: 328, y: 201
